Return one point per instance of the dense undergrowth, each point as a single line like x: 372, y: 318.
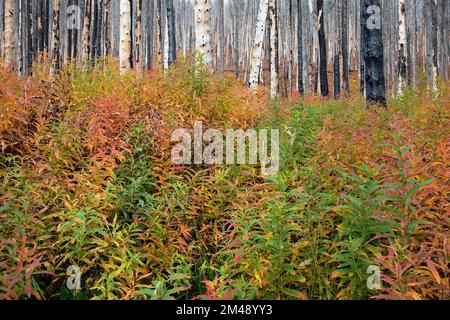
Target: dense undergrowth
x: 86, y: 179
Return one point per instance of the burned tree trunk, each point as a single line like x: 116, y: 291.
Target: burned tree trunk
x: 432, y: 42
x: 171, y: 32
x: 373, y: 52
x: 322, y: 51
x: 107, y: 27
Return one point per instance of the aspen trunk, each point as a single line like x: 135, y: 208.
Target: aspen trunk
x: 86, y: 34
x: 138, y: 36
x: 203, y: 30
x: 55, y: 38
x: 301, y: 87
x: 9, y: 35
x: 125, y: 36
x: 257, y: 49
x: 274, y: 61
x: 402, y: 46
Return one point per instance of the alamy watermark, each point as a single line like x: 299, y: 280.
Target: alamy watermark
x: 212, y: 147
x: 73, y: 17
x: 374, y: 280
x: 74, y: 280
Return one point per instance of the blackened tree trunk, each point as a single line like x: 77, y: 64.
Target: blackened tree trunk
x: 46, y: 24
x: 94, y: 32
x: 301, y: 87
x: 432, y: 42
x: 322, y: 51
x: 30, y: 35
x: 374, y: 52
x: 337, y: 75
x: 107, y: 27
x: 171, y: 31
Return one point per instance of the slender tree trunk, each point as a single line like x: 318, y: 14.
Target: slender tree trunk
x: 30, y: 35
x: 274, y: 61
x: 322, y: 50
x: 402, y: 46
x: 171, y: 31
x: 301, y: 87
x: 203, y: 30
x: 257, y: 49
x: 290, y: 45
x: 10, y: 42
x: 94, y: 27
x: 337, y: 75
x: 159, y: 34
x: 55, y: 38
x: 138, y: 36
x: 432, y: 39
x: 125, y: 36
x: 362, y: 48
x: 107, y: 27
x: 46, y: 25
x: 86, y: 34
x: 374, y: 52
x: 221, y: 36
x: 344, y: 48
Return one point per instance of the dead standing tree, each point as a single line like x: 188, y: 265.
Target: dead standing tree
x: 373, y: 52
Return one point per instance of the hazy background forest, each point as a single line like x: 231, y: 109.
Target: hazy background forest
x: 92, y: 205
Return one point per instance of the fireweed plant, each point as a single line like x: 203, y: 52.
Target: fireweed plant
x: 87, y: 180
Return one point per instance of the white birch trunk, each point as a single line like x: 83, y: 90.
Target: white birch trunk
x: 125, y: 36
x: 402, y: 81
x: 55, y: 38
x: 166, y: 45
x: 273, y: 48
x: 9, y: 36
x: 257, y: 50
x: 203, y: 30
